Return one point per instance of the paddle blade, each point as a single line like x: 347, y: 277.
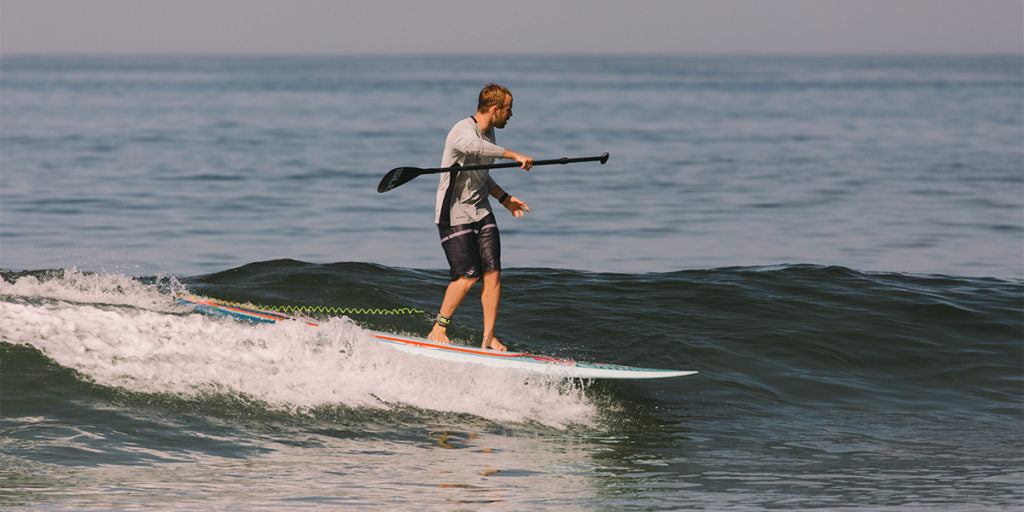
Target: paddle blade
x: 397, y: 177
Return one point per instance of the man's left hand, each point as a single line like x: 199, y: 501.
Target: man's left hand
x: 517, y: 207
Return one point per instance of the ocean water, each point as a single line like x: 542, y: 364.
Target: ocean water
x: 192, y: 165
x: 836, y: 243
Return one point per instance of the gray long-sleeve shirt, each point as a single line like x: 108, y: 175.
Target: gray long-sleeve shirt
x: 462, y: 197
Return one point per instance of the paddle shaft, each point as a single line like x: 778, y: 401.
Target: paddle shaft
x: 399, y: 175
x: 603, y: 158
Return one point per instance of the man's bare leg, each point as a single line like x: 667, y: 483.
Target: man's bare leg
x: 489, y: 297
x: 453, y: 296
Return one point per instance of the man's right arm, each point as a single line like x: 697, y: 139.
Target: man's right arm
x: 525, y: 162
x: 464, y: 140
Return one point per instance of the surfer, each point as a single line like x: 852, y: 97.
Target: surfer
x: 469, y: 233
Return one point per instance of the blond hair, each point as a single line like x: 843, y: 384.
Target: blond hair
x: 492, y: 95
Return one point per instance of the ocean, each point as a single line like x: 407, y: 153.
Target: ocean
x: 836, y: 243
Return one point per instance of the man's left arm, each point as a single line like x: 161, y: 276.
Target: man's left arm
x: 512, y: 203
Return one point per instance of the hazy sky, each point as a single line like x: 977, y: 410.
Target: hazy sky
x: 510, y: 26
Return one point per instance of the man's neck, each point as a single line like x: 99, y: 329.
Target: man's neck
x: 484, y: 120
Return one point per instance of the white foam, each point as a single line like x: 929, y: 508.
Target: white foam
x: 77, y: 286
x: 125, y: 334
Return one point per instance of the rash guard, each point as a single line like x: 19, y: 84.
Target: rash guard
x: 462, y: 196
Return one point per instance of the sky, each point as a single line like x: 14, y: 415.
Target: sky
x: 529, y: 27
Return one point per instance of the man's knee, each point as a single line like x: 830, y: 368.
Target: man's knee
x: 466, y: 282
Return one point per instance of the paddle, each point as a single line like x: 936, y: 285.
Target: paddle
x: 402, y: 175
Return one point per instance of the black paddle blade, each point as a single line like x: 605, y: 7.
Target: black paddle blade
x: 397, y: 177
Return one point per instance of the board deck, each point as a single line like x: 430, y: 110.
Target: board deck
x: 451, y: 352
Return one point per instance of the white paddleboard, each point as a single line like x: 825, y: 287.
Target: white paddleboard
x: 451, y: 352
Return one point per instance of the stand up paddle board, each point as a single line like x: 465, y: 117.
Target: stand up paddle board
x: 451, y: 352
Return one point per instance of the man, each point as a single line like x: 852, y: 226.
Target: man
x: 469, y: 234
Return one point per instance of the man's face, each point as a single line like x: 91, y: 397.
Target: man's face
x: 503, y: 113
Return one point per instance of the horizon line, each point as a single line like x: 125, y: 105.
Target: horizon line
x: 520, y: 54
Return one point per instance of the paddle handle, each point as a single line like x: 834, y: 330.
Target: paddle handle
x: 564, y: 160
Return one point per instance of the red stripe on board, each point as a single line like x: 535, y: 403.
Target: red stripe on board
x: 269, y: 316
x: 454, y: 347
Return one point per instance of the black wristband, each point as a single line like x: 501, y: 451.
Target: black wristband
x: 503, y: 198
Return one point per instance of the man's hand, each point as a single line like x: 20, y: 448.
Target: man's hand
x: 525, y: 162
x: 517, y: 207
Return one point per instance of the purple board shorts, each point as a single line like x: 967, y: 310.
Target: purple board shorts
x: 472, y: 249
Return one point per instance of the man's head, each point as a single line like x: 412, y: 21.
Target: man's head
x: 496, y: 101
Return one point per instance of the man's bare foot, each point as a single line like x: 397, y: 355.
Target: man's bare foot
x: 439, y: 334
x: 494, y: 344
